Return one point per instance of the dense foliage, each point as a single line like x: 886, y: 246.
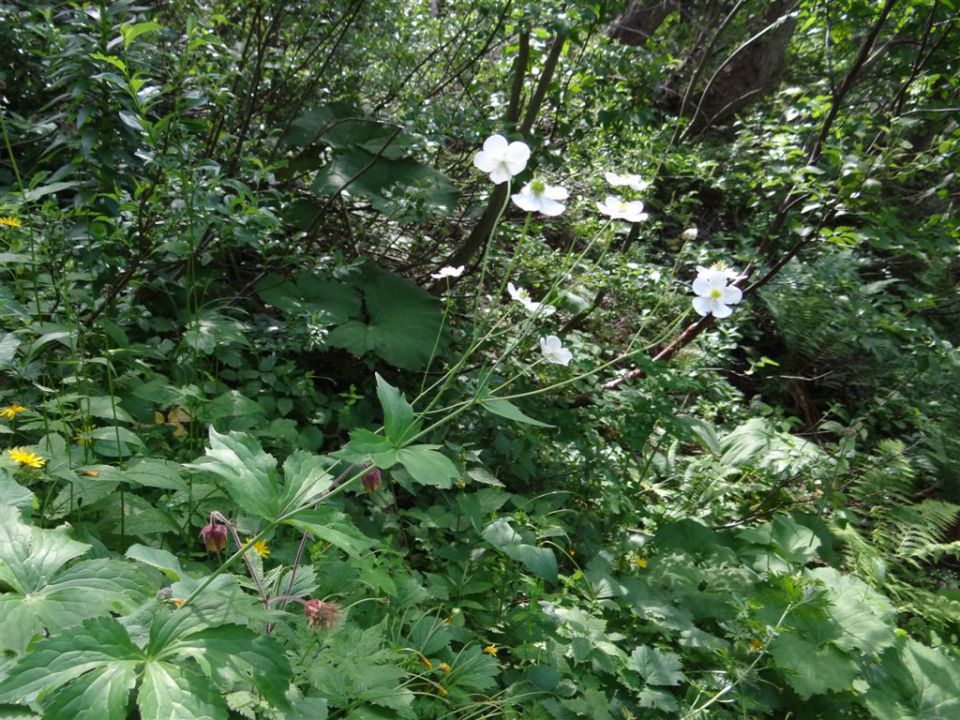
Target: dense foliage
x: 319, y: 402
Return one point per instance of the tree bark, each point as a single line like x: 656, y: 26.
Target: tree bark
x: 640, y: 20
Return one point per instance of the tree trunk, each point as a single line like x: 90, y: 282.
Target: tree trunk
x: 640, y: 20
x: 752, y: 72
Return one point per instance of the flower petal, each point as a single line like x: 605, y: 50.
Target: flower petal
x: 526, y: 201
x: 701, y: 286
x: 731, y: 295
x: 485, y: 162
x: 551, y: 208
x: 496, y: 145
x: 500, y: 174
x: 720, y: 310
x: 702, y: 305
x: 555, y: 192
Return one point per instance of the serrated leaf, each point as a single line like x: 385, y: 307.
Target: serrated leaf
x: 171, y: 691
x: 249, y: 473
x: 233, y: 653
x: 30, y: 556
x: 866, y: 617
x: 427, y: 466
x: 657, y: 667
x: 811, y: 669
x: 334, y: 527
x: 397, y: 412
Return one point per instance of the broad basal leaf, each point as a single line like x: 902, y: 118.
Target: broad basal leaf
x: 657, y: 667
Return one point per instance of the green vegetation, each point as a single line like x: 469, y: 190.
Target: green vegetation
x: 369, y: 360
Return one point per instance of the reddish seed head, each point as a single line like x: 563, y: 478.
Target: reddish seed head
x: 320, y: 615
x: 214, y: 537
x: 371, y: 481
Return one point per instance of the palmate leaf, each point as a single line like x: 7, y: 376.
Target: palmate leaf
x: 656, y: 667
x: 91, y: 670
x: 915, y: 682
x: 251, y: 476
x: 813, y: 669
x: 48, y: 597
x: 866, y: 618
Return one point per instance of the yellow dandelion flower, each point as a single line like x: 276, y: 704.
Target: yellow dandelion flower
x: 640, y: 561
x: 491, y: 650
x: 12, y: 222
x: 10, y: 411
x: 26, y: 457
x: 259, y: 547
x: 425, y: 661
x: 444, y: 667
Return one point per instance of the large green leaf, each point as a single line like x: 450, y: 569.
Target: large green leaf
x: 250, y: 473
x: 47, y: 597
x: 657, y: 667
x: 540, y: 561
x: 330, y: 301
x: 866, y: 618
x: 813, y: 669
x: 403, y: 321
x: 915, y: 682
x: 174, y: 691
x: 506, y: 409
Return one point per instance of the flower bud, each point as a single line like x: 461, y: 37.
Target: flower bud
x: 371, y: 481
x: 214, y: 537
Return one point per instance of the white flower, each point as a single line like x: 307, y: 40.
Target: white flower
x: 633, y: 181
x: 523, y: 297
x: 539, y: 197
x: 714, y: 296
x: 448, y: 271
x: 619, y: 209
x: 689, y: 234
x: 501, y: 160
x: 728, y: 272
x: 554, y: 351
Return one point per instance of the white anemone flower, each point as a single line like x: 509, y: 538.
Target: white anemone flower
x: 500, y: 159
x: 553, y: 350
x: 529, y: 304
x: 539, y: 197
x: 448, y: 271
x: 619, y: 209
x: 721, y: 267
x: 714, y: 296
x: 689, y: 234
x: 634, y: 182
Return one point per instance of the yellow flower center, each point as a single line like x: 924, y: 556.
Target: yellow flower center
x: 716, y: 293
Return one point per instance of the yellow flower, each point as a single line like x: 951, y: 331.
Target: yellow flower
x: 260, y: 547
x: 441, y: 690
x: 491, y: 650
x: 10, y: 222
x: 82, y: 436
x: 425, y: 661
x: 640, y: 562
x: 756, y: 645
x: 444, y: 667
x: 26, y: 457
x: 10, y: 411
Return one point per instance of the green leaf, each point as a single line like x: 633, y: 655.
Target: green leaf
x: 249, y: 472
x: 56, y: 661
x: 866, y: 617
x: 397, y: 412
x: 506, y: 409
x: 30, y: 556
x: 366, y: 446
x: 811, y: 669
x: 404, y: 321
x: 132, y: 32
x: 427, y: 466
x: 330, y: 301
x: 233, y: 654
x: 336, y: 528
x: 540, y: 561
x: 163, y: 560
x: 656, y: 667
x: 915, y: 682
x: 100, y: 695
x: 173, y: 691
